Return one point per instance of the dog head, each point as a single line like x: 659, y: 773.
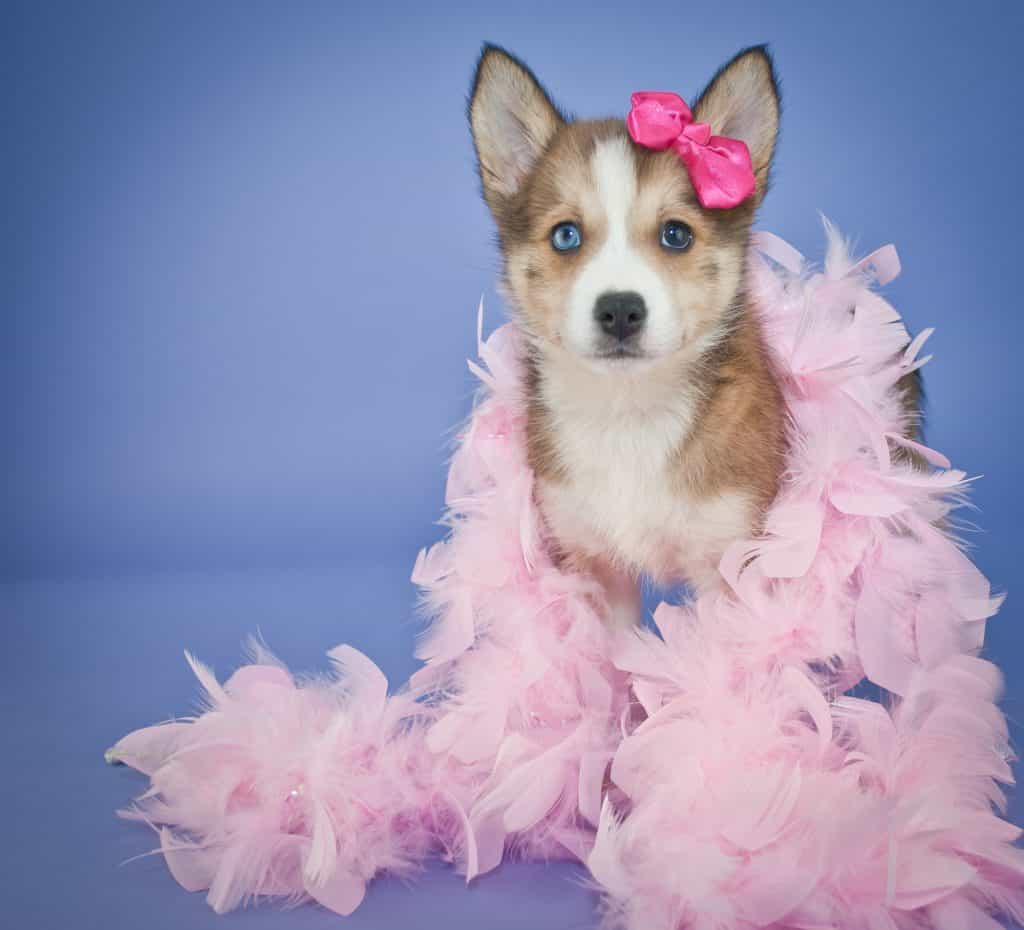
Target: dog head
x: 608, y: 255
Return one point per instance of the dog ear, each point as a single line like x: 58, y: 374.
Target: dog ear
x: 512, y: 120
x: 742, y: 101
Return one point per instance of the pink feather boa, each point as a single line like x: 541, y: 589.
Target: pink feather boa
x: 715, y: 777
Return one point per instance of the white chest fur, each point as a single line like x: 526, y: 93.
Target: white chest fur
x: 625, y: 499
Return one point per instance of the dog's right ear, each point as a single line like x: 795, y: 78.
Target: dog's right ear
x: 512, y: 120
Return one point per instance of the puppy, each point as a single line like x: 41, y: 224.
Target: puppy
x: 656, y: 427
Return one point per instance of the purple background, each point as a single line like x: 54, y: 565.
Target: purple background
x: 244, y: 249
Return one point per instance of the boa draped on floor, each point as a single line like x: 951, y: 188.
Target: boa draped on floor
x: 717, y: 775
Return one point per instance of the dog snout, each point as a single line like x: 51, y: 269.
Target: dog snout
x: 620, y: 314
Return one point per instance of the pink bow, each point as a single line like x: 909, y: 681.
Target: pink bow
x: 720, y: 168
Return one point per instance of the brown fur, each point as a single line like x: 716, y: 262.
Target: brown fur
x: 739, y: 441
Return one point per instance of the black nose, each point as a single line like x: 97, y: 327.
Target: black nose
x: 620, y: 313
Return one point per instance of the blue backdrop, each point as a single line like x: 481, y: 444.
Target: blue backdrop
x: 244, y: 248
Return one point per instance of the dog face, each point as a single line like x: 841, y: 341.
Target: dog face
x: 608, y: 255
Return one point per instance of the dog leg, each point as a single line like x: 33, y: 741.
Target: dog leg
x: 622, y: 591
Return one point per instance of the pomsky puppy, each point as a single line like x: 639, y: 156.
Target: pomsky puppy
x: 656, y: 427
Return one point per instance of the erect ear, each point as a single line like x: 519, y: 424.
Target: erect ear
x: 512, y: 119
x: 742, y: 102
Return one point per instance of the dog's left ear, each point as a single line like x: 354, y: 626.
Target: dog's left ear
x: 742, y: 102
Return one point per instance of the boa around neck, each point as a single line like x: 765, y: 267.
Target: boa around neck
x: 719, y: 773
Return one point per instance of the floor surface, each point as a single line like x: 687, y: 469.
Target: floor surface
x: 86, y: 661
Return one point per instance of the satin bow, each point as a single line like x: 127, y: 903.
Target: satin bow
x: 720, y: 168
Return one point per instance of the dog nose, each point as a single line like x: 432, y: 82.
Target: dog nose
x: 620, y: 313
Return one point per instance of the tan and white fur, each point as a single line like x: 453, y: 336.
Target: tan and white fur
x: 656, y: 428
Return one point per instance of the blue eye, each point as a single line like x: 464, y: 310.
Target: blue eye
x: 676, y: 235
x: 565, y: 237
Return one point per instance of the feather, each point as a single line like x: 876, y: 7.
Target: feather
x: 593, y: 766
x: 537, y: 795
x: 146, y: 750
x: 211, y: 687
x: 191, y: 866
x: 322, y: 856
x: 251, y: 678
x: 779, y: 251
x: 929, y: 455
x: 366, y: 684
x: 882, y: 265
x: 955, y: 912
x: 489, y: 834
x: 451, y: 633
x: 341, y: 893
